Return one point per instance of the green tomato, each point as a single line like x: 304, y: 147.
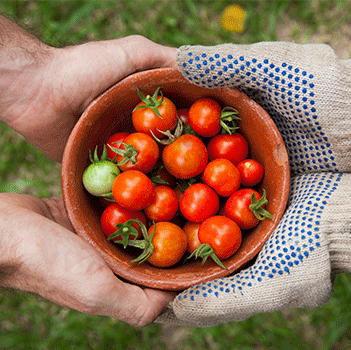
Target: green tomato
x: 98, y: 177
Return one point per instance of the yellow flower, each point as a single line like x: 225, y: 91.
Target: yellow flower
x: 233, y: 18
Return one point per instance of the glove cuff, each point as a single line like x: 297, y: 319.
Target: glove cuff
x: 340, y: 252
x: 337, y: 226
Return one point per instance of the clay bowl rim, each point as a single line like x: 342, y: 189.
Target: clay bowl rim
x: 77, y: 201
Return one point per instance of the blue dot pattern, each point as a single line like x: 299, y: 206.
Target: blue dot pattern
x: 285, y: 91
x: 296, y: 238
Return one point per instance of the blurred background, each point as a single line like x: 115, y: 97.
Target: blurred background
x: 29, y: 322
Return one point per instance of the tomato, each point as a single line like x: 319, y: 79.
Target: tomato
x: 205, y: 116
x: 183, y: 115
x: 113, y: 141
x: 160, y: 176
x: 251, y: 172
x: 99, y: 176
x: 222, y: 234
x: 223, y: 176
x: 186, y: 157
x: 115, y: 214
x: 244, y: 211
x: 191, y: 230
x: 199, y: 202
x: 133, y: 190
x: 170, y: 244
x: 164, y: 205
x: 138, y: 152
x: 232, y: 147
x: 155, y: 114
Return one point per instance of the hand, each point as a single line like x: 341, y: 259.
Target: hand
x: 306, y: 91
x: 46, y: 89
x: 44, y: 256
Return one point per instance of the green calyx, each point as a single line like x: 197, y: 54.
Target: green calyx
x: 151, y: 101
x: 129, y: 153
x: 145, y: 244
x: 256, y: 207
x: 95, y: 158
x: 125, y: 230
x: 204, y: 251
x: 228, y: 120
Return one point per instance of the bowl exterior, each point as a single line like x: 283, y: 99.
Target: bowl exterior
x: 110, y: 113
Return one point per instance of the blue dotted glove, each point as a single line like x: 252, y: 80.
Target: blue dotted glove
x: 306, y: 90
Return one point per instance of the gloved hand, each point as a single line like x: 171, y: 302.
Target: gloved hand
x: 306, y: 90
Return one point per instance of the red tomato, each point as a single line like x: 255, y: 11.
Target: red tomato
x: 160, y: 176
x: 223, y: 176
x: 238, y: 209
x: 191, y: 230
x: 112, y: 141
x: 115, y: 214
x: 251, y: 172
x: 205, y: 117
x: 222, y: 234
x: 170, y: 244
x: 186, y: 157
x: 164, y: 205
x: 133, y: 190
x: 145, y: 119
x: 232, y: 147
x: 199, y: 202
x: 142, y: 153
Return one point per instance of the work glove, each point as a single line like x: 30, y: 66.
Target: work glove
x: 306, y: 90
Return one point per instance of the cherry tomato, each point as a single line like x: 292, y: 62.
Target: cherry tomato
x: 199, y: 202
x: 223, y: 176
x: 133, y: 190
x: 183, y: 115
x: 164, y: 205
x: 222, y: 234
x: 170, y: 244
x: 251, y: 172
x: 191, y: 230
x: 232, y: 147
x: 115, y: 214
x: 160, y: 176
x: 113, y: 141
x: 238, y: 209
x: 141, y: 153
x: 205, y: 116
x: 145, y: 119
x: 98, y: 177
x: 186, y: 157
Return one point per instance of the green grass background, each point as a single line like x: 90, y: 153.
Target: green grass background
x: 29, y: 322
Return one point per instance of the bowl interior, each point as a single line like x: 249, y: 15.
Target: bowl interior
x: 110, y: 113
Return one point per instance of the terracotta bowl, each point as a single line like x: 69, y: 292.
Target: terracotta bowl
x: 110, y: 113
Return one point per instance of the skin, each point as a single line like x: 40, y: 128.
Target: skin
x: 44, y: 90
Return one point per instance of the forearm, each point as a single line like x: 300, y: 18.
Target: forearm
x: 22, y: 57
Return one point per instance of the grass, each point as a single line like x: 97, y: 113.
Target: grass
x: 29, y: 322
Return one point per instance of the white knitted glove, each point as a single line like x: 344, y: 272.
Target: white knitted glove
x: 306, y: 90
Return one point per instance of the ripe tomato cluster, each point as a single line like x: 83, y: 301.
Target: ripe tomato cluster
x: 180, y: 183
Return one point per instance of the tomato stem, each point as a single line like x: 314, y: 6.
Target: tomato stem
x: 95, y: 157
x: 144, y: 244
x: 125, y: 230
x: 256, y: 207
x: 151, y: 101
x: 170, y: 138
x: 129, y: 153
x: 228, y: 120
x: 204, y: 251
